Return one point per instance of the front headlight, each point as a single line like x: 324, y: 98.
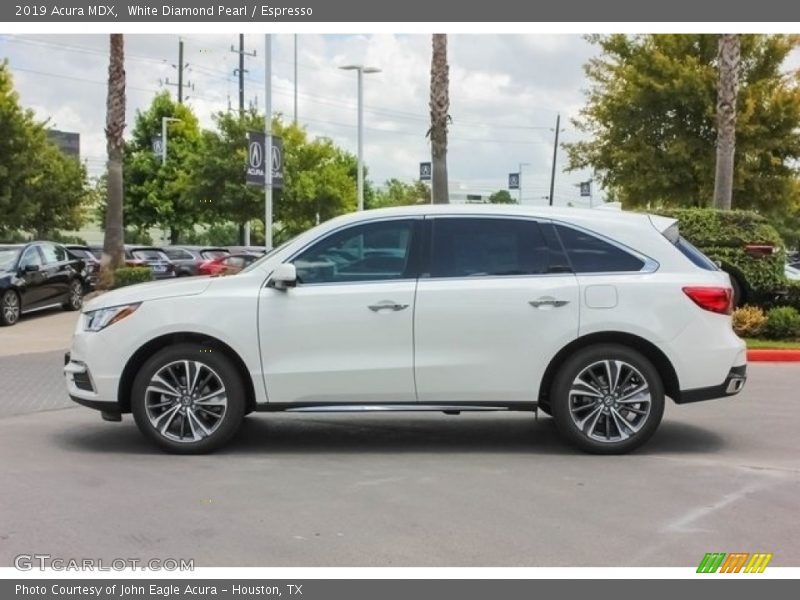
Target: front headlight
x: 95, y: 320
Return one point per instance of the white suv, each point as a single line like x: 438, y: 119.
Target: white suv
x: 590, y: 316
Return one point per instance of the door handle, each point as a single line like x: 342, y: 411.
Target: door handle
x: 387, y: 305
x: 540, y: 302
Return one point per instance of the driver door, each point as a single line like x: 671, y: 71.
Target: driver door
x: 344, y: 334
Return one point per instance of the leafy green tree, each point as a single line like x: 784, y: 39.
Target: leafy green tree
x: 399, y: 193
x: 59, y: 191
x: 41, y: 189
x: 651, y: 118
x: 502, y: 197
x: 157, y: 195
x: 217, y: 172
x: 319, y: 177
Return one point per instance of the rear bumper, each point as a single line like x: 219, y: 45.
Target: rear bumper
x: 732, y: 385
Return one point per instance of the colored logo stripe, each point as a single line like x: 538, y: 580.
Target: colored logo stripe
x: 734, y: 562
x: 758, y: 563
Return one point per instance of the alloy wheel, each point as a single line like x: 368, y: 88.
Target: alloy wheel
x: 186, y: 401
x: 610, y: 401
x: 75, y: 295
x: 10, y: 308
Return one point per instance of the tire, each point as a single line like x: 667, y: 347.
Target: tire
x: 10, y: 308
x: 610, y: 423
x: 75, y: 295
x: 172, y: 420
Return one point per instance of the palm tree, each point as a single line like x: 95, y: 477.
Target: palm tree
x: 440, y: 106
x: 727, y: 92
x: 115, y: 125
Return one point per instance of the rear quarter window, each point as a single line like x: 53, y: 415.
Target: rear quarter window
x: 693, y: 254
x: 590, y: 254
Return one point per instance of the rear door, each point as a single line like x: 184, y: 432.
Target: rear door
x: 58, y: 272
x: 493, y: 310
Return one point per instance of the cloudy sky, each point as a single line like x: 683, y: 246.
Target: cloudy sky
x: 505, y: 91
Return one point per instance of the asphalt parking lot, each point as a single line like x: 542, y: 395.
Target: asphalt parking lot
x: 402, y: 489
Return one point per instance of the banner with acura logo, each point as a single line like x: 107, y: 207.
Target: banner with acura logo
x: 257, y: 159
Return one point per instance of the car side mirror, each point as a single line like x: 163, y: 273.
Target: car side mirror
x: 30, y: 268
x: 284, y: 277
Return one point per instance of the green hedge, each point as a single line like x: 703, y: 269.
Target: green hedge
x: 130, y: 275
x: 722, y: 235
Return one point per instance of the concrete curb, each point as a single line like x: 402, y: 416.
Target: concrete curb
x: 773, y: 355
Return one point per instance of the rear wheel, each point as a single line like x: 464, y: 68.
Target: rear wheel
x: 9, y: 308
x: 607, y: 399
x: 188, y: 399
x: 75, y: 295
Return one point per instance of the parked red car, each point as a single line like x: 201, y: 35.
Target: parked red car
x: 226, y: 265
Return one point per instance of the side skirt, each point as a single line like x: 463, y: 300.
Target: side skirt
x: 447, y: 407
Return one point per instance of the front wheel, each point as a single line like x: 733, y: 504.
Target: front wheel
x: 9, y: 308
x: 188, y: 399
x: 607, y: 399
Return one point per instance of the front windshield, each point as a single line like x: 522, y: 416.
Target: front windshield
x: 7, y: 256
x: 255, y: 264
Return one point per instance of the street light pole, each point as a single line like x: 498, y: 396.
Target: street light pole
x: 268, y: 144
x: 164, y: 121
x: 361, y: 70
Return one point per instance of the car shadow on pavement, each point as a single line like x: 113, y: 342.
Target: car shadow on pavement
x: 269, y: 434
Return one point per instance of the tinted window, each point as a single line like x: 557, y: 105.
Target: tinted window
x: 178, y: 254
x: 148, y: 254
x: 694, y: 255
x: 590, y: 254
x: 471, y: 247
x: 53, y: 254
x: 369, y: 252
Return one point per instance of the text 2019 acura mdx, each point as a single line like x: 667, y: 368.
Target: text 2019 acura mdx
x: 591, y: 316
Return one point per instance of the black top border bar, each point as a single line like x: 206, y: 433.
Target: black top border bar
x: 409, y: 11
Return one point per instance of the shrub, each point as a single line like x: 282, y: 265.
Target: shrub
x: 722, y: 236
x: 749, y: 321
x: 130, y: 275
x: 783, y: 322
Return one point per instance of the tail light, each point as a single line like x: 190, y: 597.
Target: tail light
x: 760, y: 250
x: 714, y: 299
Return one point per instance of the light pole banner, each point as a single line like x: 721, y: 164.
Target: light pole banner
x: 513, y: 181
x: 158, y: 145
x: 425, y: 171
x: 256, y: 158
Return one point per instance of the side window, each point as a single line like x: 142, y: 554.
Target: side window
x: 368, y: 252
x: 177, y: 254
x: 31, y: 257
x: 472, y: 247
x: 53, y: 254
x: 590, y: 254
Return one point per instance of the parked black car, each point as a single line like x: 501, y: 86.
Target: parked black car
x: 145, y: 256
x: 38, y: 275
x: 187, y: 259
x: 91, y: 262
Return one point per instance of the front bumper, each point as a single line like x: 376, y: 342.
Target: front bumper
x: 732, y: 385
